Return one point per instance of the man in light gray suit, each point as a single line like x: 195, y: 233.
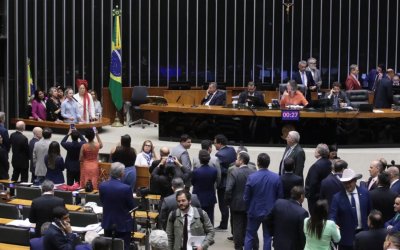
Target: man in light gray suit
x: 39, y: 151
x: 169, y: 203
x: 207, y: 145
x: 315, y: 72
x: 181, y: 153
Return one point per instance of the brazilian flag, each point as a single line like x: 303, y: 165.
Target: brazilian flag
x: 115, y: 84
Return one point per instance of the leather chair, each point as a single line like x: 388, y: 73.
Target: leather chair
x: 9, y: 211
x: 139, y: 97
x: 396, y: 100
x: 28, y: 193
x: 65, y: 195
x: 93, y: 198
x: 82, y: 219
x: 357, y: 97
x: 14, y: 235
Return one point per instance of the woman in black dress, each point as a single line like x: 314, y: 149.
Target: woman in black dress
x: 53, y: 106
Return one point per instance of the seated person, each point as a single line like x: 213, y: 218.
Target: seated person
x: 292, y: 96
x: 338, y: 97
x: 37, y: 243
x: 213, y: 96
x: 396, y: 85
x: 251, y: 91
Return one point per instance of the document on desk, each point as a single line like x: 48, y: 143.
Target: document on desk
x: 20, y: 223
x: 195, y: 241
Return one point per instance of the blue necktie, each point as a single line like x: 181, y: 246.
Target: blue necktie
x: 354, y: 209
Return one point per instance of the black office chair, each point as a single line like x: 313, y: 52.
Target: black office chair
x: 139, y: 97
x: 14, y: 235
x: 82, y: 219
x: 9, y: 211
x: 65, y: 195
x: 115, y: 243
x: 28, y: 193
x: 26, y: 210
x: 357, y: 97
x: 396, y: 100
x: 93, y: 198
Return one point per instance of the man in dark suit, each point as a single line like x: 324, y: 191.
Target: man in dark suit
x: 169, y: 203
x: 251, y: 91
x: 4, y: 132
x: 294, y: 151
x: 289, y: 179
x: 350, y: 208
x: 375, y: 236
x: 73, y: 149
x: 331, y: 184
x: 382, y: 197
x: 383, y: 91
x: 375, y: 168
x: 287, y: 220
x: 42, y: 207
x: 214, y: 96
x: 305, y: 78
x: 317, y: 172
x: 20, y: 153
x: 394, y: 179
x: 226, y: 156
x: 117, y: 199
x: 37, y: 135
x: 235, y: 185
x: 338, y: 97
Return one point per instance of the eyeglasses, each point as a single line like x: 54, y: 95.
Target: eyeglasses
x: 147, y: 145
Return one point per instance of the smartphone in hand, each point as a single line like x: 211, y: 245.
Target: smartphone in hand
x: 94, y: 130
x: 72, y: 126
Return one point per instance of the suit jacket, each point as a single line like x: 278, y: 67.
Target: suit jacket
x: 4, y: 166
x: 257, y: 94
x: 42, y: 210
x: 329, y: 187
x: 117, y: 200
x: 39, y: 151
x: 287, y: 221
x: 370, y: 240
x: 169, y: 204
x: 341, y: 96
x: 396, y: 187
x: 317, y: 172
x: 212, y: 163
x: 20, y: 150
x: 235, y: 185
x: 316, y: 74
x: 375, y: 185
x: 226, y: 156
x: 395, y: 223
x: 310, y: 82
x: 218, y: 99
x: 182, y: 155
x: 6, y: 138
x: 203, y: 180
x: 73, y: 149
x: 262, y: 189
x: 352, y: 83
x: 289, y: 180
x: 299, y: 158
x: 382, y: 199
x: 32, y: 143
x: 340, y: 212
x: 54, y: 238
x: 383, y: 95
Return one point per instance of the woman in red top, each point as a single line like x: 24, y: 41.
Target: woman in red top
x: 89, y: 158
x: 292, y: 96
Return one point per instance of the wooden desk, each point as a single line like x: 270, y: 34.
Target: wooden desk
x: 143, y: 215
x: 24, y: 202
x: 5, y: 181
x: 104, y: 121
x: 4, y: 221
x: 4, y: 246
x: 153, y: 197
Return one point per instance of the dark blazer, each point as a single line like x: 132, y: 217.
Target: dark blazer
x: 73, y: 149
x: 226, y: 156
x: 299, y: 158
x: 20, y: 150
x: 317, y: 172
x: 287, y: 220
x: 42, y: 210
x: 219, y: 99
x: 6, y: 138
x: 55, y: 175
x: 169, y: 204
x: 289, y: 180
x: 396, y: 187
x: 310, y: 82
x: 382, y: 199
x: 395, y: 223
x: 383, y: 95
x: 341, y: 96
x: 329, y: 187
x: 31, y: 146
x: 4, y: 166
x: 117, y: 200
x: 370, y: 240
x: 204, y: 179
x: 340, y: 212
x: 375, y: 185
x: 54, y: 238
x: 260, y: 98
x: 235, y: 185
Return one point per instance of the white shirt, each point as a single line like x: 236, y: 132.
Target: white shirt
x: 373, y: 180
x: 209, y: 100
x: 90, y: 110
x: 357, y: 200
x: 391, y: 184
x: 303, y: 76
x: 190, y: 218
x: 141, y: 160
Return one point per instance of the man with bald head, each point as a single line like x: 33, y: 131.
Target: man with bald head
x: 213, y: 96
x: 394, y: 179
x: 37, y: 135
x: 20, y: 153
x: 375, y: 168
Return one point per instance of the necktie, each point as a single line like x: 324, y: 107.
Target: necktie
x: 354, y: 209
x: 185, y: 232
x: 303, y: 78
x: 283, y: 159
x: 335, y: 101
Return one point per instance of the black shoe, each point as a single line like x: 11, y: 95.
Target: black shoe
x: 230, y: 238
x: 219, y: 228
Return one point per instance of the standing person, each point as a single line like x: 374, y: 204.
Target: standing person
x: 188, y: 221
x: 350, y: 208
x: 383, y: 91
x: 382, y: 198
x: 289, y: 179
x: 305, y: 78
x: 127, y: 156
x: 393, y: 225
x: 394, y: 179
x: 69, y: 108
x: 226, y: 156
x: 262, y: 189
x: 315, y: 72
x: 4, y: 165
x: 207, y: 145
x: 42, y: 207
x: 73, y: 149
x: 84, y: 100
x: 98, y: 109
x: 54, y: 163
x: 375, y: 236
x: 60, y: 91
x: 317, y: 172
x: 331, y: 184
x: 39, y: 106
x: 4, y: 132
x: 235, y: 185
x: 117, y: 199
x: 181, y: 151
x: 53, y: 106
x: 319, y: 230
x: 39, y: 151
x: 352, y: 82
x: 20, y: 153
x: 37, y: 135
x: 88, y: 158
x: 203, y: 180
x: 146, y: 157
x: 294, y: 151
x: 287, y: 221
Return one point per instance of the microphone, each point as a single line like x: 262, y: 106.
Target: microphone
x: 76, y: 100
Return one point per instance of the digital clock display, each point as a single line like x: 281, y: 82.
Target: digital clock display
x: 290, y: 115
